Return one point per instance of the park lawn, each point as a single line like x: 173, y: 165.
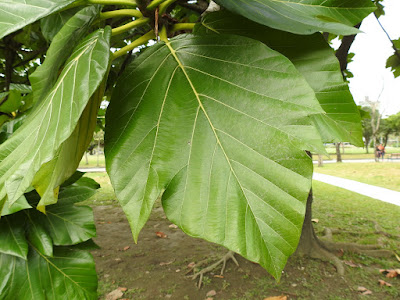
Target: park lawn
x: 92, y: 162
x: 386, y: 175
x: 141, y: 269
x: 354, y: 153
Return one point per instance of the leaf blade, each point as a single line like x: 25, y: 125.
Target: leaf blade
x: 303, y: 17
x: 16, y: 13
x: 148, y: 155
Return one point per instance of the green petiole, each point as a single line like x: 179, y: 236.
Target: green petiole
x: 164, y: 6
x: 183, y: 26
x: 154, y: 4
x: 136, y: 43
x: 121, y: 13
x: 130, y: 25
x: 113, y: 2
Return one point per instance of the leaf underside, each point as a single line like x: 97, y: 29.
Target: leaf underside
x: 315, y: 60
x: 303, y: 17
x: 15, y: 14
x: 199, y: 120
x: 46, y: 128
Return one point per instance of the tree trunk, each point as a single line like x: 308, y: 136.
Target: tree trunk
x: 338, y: 154
x: 86, y: 157
x: 320, y: 161
x: 310, y: 245
x: 367, y: 145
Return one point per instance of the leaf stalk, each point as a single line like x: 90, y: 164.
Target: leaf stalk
x: 113, y: 2
x: 128, y: 26
x: 121, y: 13
x: 136, y: 43
x: 154, y: 4
x: 163, y: 6
x: 183, y: 26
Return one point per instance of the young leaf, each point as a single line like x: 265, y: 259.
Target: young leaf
x: 315, y: 60
x: 68, y: 273
x: 304, y: 17
x: 48, y: 125
x: 15, y: 14
x: 202, y: 119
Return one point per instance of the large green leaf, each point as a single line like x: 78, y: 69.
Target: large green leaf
x: 67, y: 223
x: 52, y: 174
x: 52, y: 24
x: 217, y: 126
x: 68, y: 275
x: 55, y: 118
x: 15, y: 14
x: 304, y: 16
x: 12, y: 237
x: 315, y: 60
x: 60, y: 49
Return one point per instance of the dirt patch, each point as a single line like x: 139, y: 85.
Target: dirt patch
x: 155, y: 267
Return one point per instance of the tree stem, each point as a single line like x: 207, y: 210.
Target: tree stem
x: 113, y: 2
x: 129, y: 26
x: 121, y: 13
x: 183, y: 26
x: 154, y: 4
x: 164, y: 6
x: 136, y: 43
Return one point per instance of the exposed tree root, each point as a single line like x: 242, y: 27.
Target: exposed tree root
x: 325, y: 249
x: 223, y: 261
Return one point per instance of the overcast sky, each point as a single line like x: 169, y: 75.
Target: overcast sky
x: 372, y: 48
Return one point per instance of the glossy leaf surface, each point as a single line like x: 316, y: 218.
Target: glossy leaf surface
x: 315, y: 60
x: 15, y: 14
x: 55, y: 118
x: 12, y: 237
x: 303, y: 17
x: 199, y: 120
x: 67, y: 223
x: 70, y: 274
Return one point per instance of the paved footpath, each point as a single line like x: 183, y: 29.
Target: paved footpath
x: 371, y: 191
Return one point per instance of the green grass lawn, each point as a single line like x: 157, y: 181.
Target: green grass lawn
x: 354, y: 215
x: 92, y: 162
x: 385, y: 175
x: 354, y: 153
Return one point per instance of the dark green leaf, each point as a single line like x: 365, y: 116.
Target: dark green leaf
x: 199, y: 120
x: 12, y: 237
x: 48, y: 126
x: 74, y: 177
x: 15, y: 14
x: 13, y: 102
x: 60, y: 49
x: 38, y: 235
x: 67, y: 223
x: 52, y: 24
x: 68, y: 274
x: 315, y: 60
x: 304, y: 17
x: 393, y: 61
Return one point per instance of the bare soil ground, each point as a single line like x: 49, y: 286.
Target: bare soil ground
x: 155, y: 268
